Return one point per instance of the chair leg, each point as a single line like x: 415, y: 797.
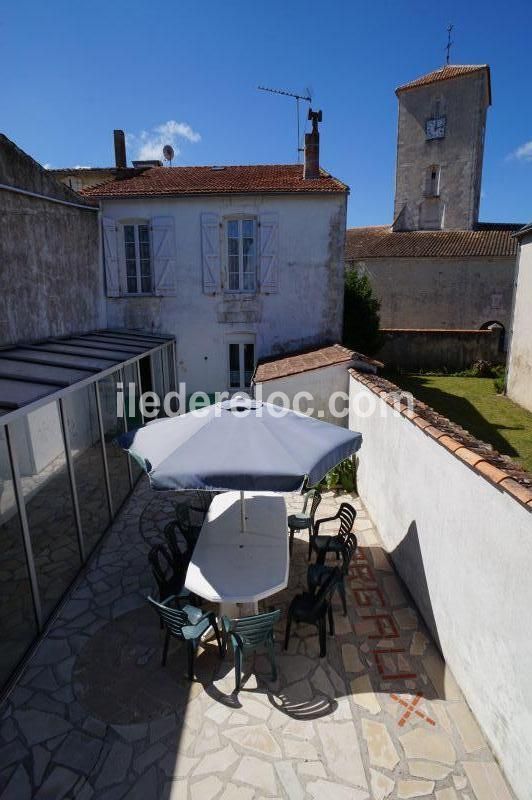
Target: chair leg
x: 322, y: 637
x: 310, y: 544
x: 191, y: 650
x: 331, y: 619
x: 291, y: 542
x: 341, y: 589
x: 287, y: 632
x: 221, y: 648
x: 165, y: 648
x: 271, y: 651
x: 238, y: 668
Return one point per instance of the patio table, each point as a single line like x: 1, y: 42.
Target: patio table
x: 232, y: 567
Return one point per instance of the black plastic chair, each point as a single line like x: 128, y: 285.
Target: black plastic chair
x: 317, y: 573
x: 189, y: 529
x: 333, y: 543
x: 247, y: 634
x: 305, y: 520
x: 179, y: 543
x: 169, y: 573
x: 313, y: 608
x: 188, y: 624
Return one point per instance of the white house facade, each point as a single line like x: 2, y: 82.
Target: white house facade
x: 238, y: 263
x: 519, y: 384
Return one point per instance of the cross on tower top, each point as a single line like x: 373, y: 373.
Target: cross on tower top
x: 449, y: 42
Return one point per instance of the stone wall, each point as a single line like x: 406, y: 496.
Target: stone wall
x: 441, y: 293
x: 520, y: 357
x: 458, y: 529
x: 440, y: 349
x: 52, y: 283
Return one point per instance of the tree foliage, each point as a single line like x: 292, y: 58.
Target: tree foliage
x: 361, y: 314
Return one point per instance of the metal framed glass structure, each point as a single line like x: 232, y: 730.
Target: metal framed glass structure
x: 62, y: 481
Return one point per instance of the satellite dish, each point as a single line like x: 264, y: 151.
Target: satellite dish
x: 168, y: 152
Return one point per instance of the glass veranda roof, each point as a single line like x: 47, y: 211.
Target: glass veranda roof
x: 31, y: 372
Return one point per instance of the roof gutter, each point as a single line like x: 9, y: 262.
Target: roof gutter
x: 188, y: 195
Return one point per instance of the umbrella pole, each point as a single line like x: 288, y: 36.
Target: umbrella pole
x: 242, y: 512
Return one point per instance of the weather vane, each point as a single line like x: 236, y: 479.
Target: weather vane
x: 449, y: 42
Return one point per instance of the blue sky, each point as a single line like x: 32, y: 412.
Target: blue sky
x: 72, y: 70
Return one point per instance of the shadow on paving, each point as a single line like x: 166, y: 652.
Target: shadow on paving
x: 96, y: 716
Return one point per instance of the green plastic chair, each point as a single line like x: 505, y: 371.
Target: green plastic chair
x: 304, y: 520
x: 247, y: 635
x: 188, y: 624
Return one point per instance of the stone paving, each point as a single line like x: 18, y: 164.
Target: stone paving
x: 95, y: 716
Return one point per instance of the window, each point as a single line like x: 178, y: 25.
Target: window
x: 138, y: 258
x: 432, y: 181
x: 241, y: 364
x: 241, y: 258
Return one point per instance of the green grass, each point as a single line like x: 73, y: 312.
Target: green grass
x: 474, y: 404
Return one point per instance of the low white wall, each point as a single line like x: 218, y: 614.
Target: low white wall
x: 320, y: 383
x: 464, y: 549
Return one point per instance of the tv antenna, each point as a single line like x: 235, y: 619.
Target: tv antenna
x: 168, y: 153
x: 297, y: 98
x: 449, y: 42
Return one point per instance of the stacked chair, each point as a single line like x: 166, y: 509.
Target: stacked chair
x: 315, y: 605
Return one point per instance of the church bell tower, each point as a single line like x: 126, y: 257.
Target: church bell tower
x: 440, y: 147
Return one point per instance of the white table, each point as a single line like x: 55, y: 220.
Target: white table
x: 231, y: 567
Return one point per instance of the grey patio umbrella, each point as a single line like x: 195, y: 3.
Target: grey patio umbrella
x: 239, y: 444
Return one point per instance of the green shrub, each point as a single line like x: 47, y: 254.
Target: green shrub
x: 500, y: 382
x: 342, y: 476
x: 361, y: 315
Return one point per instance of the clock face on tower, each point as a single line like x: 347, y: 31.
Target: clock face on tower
x: 435, y: 128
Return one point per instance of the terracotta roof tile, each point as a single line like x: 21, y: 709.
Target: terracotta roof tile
x: 172, y: 181
x: 499, y: 470
x: 304, y: 361
x: 489, y: 239
x: 444, y: 74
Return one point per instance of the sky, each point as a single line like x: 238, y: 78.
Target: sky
x: 186, y: 72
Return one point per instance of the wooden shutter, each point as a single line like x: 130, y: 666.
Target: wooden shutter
x: 210, y: 252
x: 164, y: 255
x: 269, y: 255
x: 110, y: 255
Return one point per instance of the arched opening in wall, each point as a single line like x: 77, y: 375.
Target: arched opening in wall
x: 495, y: 324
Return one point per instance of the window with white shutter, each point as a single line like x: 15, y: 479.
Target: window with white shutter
x: 164, y: 256
x: 241, y: 245
x: 210, y: 252
x: 110, y: 256
x: 269, y: 253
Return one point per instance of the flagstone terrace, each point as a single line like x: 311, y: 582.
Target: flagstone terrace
x: 95, y: 715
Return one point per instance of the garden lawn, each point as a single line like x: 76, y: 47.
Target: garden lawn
x: 474, y: 404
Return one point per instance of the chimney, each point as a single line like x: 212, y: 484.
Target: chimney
x: 311, y: 167
x: 120, y: 149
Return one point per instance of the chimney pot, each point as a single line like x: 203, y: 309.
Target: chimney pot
x: 311, y: 167
x: 120, y: 149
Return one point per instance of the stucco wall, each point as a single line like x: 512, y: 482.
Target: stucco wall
x: 51, y: 276
x: 307, y: 309
x: 320, y: 383
x: 441, y: 293
x: 452, y: 350
x: 520, y: 357
x: 463, y: 101
x: 464, y: 549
